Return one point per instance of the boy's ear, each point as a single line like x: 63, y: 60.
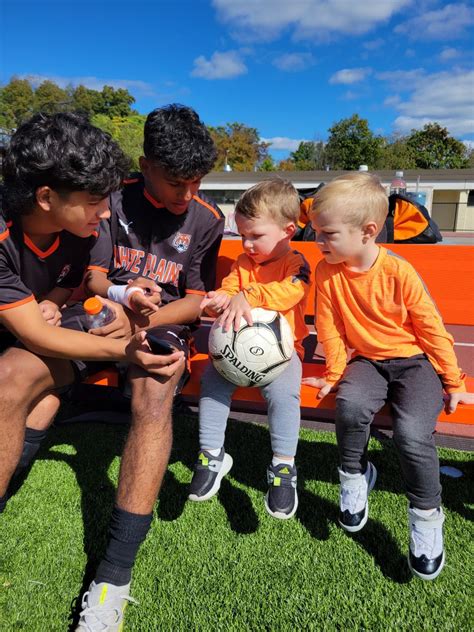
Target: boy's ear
x: 43, y: 197
x: 290, y: 229
x: 144, y: 165
x: 370, y: 230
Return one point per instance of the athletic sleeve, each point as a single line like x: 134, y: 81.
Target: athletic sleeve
x: 13, y: 292
x: 201, y: 272
x: 330, y: 330
x: 231, y: 284
x: 436, y: 342
x: 101, y: 254
x: 281, y: 295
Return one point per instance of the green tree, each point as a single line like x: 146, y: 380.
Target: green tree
x: 241, y: 146
x: 309, y: 156
x: 351, y: 143
x: 16, y: 102
x: 267, y: 164
x: 50, y: 98
x: 434, y: 148
x: 396, y: 154
x: 116, y: 102
x: 86, y: 100
x: 127, y: 131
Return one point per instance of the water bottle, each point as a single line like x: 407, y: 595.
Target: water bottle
x: 97, y: 313
x: 398, y: 184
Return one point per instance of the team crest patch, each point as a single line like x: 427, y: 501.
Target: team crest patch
x: 181, y: 242
x: 64, y: 272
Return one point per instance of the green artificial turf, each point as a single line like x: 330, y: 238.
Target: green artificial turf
x: 226, y: 564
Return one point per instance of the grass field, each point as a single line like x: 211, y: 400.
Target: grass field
x: 226, y: 564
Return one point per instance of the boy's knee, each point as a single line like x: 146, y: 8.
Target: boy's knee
x: 152, y: 398
x: 17, y: 378
x: 351, y: 410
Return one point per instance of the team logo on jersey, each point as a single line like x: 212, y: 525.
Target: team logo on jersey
x: 64, y: 272
x: 125, y: 226
x: 181, y: 242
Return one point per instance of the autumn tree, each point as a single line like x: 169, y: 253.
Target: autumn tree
x: 240, y: 145
x: 351, y: 143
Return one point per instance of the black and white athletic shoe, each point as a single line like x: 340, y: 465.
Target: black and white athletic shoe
x: 208, y: 474
x: 426, y: 553
x: 353, y: 494
x: 281, y: 500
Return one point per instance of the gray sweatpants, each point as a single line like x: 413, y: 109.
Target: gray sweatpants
x: 415, y: 394
x: 283, y: 399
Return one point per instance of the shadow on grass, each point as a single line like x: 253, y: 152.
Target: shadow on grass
x: 96, y: 446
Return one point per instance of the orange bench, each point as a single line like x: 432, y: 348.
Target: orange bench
x: 448, y: 272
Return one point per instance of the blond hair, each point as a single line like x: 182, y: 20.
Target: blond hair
x: 360, y: 196
x: 274, y: 197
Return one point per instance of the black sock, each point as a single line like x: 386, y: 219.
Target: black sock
x: 31, y: 445
x: 126, y: 532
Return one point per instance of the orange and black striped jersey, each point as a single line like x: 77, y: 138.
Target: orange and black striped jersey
x: 280, y: 285
x: 28, y: 273
x: 143, y: 239
x: 385, y: 312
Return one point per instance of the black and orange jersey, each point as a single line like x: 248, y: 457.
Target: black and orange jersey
x: 143, y: 239
x: 28, y: 273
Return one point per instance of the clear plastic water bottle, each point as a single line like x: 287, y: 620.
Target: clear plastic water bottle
x: 398, y: 184
x: 97, y: 313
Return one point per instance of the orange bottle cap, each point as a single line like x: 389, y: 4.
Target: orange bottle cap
x: 93, y: 305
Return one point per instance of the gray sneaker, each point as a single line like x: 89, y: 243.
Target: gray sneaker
x: 103, y: 607
x: 426, y: 552
x: 208, y: 474
x: 353, y: 505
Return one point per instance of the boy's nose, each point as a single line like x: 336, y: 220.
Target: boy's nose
x: 104, y: 213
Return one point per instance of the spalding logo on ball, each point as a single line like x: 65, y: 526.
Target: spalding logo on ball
x: 255, y: 354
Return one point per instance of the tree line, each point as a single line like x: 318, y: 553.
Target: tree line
x: 350, y: 141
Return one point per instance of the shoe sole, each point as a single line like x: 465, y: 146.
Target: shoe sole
x: 225, y: 469
x: 426, y: 577
x: 363, y: 522
x: 279, y: 514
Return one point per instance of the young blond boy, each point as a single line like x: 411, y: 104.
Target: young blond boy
x: 269, y: 274
x: 373, y: 301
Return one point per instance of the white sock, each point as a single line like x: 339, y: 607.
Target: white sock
x: 425, y: 513
x: 280, y: 459
x: 214, y: 452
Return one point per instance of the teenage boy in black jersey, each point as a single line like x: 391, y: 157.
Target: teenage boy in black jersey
x: 58, y: 172
x: 164, y: 236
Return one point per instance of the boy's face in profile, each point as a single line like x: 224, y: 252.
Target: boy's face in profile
x: 338, y: 240
x: 78, y: 212
x: 263, y: 239
x: 174, y: 193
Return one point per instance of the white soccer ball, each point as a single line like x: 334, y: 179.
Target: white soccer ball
x: 255, y: 354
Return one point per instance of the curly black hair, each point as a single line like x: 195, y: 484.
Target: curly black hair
x: 177, y: 140
x: 62, y: 151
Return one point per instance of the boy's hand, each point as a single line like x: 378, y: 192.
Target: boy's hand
x: 51, y: 313
x: 139, y: 352
x: 451, y: 401
x: 318, y: 382
x: 147, y: 302
x: 215, y: 303
x: 119, y: 327
x: 238, y: 308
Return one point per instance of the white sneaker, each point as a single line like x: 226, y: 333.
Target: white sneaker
x: 103, y: 607
x: 426, y: 553
x: 353, y: 505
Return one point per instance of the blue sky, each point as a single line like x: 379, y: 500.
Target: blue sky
x: 290, y: 68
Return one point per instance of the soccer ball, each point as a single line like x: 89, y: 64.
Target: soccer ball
x: 255, y: 354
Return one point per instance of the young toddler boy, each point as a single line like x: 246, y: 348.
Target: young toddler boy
x: 269, y: 274
x: 373, y: 301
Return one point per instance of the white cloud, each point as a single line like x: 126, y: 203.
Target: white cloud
x: 348, y: 76
x: 403, y: 80
x: 444, y: 97
x: 282, y: 142
x: 219, y: 66
x: 449, y: 22
x: 308, y: 19
x: 294, y: 62
x: 373, y: 44
x: 447, y: 54
x: 94, y: 83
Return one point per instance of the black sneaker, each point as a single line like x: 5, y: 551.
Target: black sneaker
x: 426, y: 553
x: 353, y: 494
x: 208, y: 473
x: 281, y: 499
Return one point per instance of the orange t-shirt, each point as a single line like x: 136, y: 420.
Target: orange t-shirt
x: 280, y: 285
x: 385, y: 312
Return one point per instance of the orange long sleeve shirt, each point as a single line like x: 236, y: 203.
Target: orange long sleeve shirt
x: 280, y: 285
x: 385, y: 312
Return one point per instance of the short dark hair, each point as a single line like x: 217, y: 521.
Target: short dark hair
x: 62, y: 151
x: 177, y: 140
